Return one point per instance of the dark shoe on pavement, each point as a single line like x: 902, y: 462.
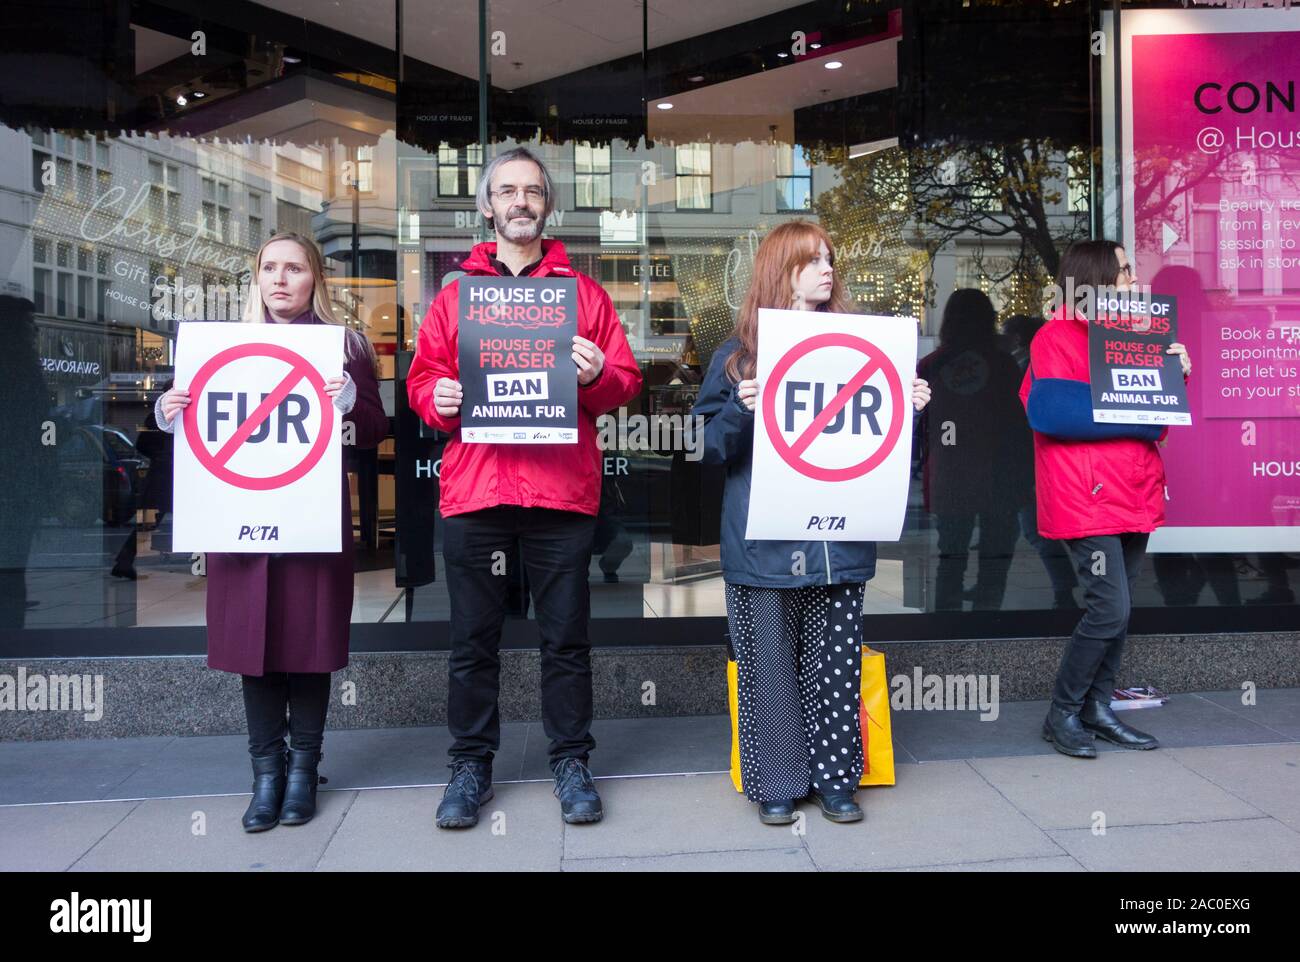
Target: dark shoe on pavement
x: 837, y: 806
x: 1066, y: 733
x: 263, y: 811
x: 776, y: 813
x: 579, y: 801
x: 300, y: 790
x: 1100, y: 719
x: 470, y: 787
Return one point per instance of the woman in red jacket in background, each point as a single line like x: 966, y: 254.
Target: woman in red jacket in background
x: 1101, y: 491
x: 282, y: 621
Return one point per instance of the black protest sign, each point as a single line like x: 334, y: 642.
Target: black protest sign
x: 1135, y: 380
x: 519, y: 381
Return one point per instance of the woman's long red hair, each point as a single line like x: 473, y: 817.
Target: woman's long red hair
x: 787, y: 249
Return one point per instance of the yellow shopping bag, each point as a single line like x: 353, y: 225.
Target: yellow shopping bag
x: 877, y: 738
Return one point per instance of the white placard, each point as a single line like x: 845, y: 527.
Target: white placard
x: 257, y: 453
x: 833, y: 427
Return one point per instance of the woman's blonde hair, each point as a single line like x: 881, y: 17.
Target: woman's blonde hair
x: 358, y: 345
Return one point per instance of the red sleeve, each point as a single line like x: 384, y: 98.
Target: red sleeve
x: 620, y: 379
x: 435, y: 357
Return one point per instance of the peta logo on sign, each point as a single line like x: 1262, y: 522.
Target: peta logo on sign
x: 259, y: 532
x: 827, y: 523
x: 1135, y: 379
x: 517, y: 387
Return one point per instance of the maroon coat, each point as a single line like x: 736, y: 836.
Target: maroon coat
x: 292, y: 612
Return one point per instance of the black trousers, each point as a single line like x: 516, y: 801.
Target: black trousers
x: 555, y: 547
x: 306, y: 696
x: 1107, y: 566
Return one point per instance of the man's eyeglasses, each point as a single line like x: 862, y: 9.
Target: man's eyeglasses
x: 510, y: 193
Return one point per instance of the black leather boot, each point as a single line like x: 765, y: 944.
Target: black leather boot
x: 263, y: 811
x: 470, y: 787
x: 1066, y: 733
x: 300, y: 792
x: 776, y: 813
x: 1099, y: 718
x: 837, y: 806
x: 579, y: 801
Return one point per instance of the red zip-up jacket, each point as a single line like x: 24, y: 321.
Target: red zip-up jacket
x: 565, y: 477
x: 1088, y: 488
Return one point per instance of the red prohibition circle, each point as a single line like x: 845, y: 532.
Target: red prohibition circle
x: 299, y: 365
x: 786, y: 451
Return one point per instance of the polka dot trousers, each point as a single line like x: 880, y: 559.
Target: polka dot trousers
x: 799, y: 664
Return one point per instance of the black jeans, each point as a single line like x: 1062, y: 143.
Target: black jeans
x: 1107, y: 566
x: 306, y: 695
x: 556, y: 550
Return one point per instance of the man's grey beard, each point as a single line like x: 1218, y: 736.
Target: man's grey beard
x: 521, y: 235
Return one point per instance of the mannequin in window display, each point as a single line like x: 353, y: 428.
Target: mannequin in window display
x: 800, y: 729
x: 281, y: 621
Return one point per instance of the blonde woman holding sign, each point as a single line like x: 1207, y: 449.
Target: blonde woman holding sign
x: 281, y: 621
x: 796, y: 628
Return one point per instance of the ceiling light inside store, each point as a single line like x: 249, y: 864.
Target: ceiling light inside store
x: 664, y: 106
x: 696, y: 79
x: 815, y: 46
x: 289, y: 59
x: 782, y: 54
x: 834, y: 65
x: 198, y: 95
x: 181, y: 101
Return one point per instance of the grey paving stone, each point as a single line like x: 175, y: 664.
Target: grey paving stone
x: 1266, y: 776
x: 1275, y: 708
x: 669, y: 816
x: 945, y: 735
x: 359, y: 758
x: 393, y: 830
x: 158, y: 835
x: 793, y: 859
x: 49, y: 838
x: 1129, y: 787
x: 645, y: 746
x: 62, y: 771
x: 1050, y: 863
x: 1249, y: 845
x: 1190, y: 719
x: 939, y: 812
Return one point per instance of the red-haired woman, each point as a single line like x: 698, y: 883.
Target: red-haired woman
x: 282, y: 620
x: 796, y: 629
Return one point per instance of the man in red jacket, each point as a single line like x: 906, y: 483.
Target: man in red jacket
x: 541, y: 497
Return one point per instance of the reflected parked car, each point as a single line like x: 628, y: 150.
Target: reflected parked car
x: 101, y: 475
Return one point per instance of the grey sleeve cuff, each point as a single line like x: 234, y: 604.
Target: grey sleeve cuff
x: 347, y: 398
x: 163, y: 424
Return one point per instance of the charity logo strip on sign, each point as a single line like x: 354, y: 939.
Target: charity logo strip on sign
x: 833, y: 428
x: 257, y: 454
x: 1135, y: 380
x: 519, y: 382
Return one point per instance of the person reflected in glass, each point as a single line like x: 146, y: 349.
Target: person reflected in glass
x: 796, y: 630
x: 1101, y: 490
x: 281, y: 621
x: 974, y: 429
x: 27, y: 467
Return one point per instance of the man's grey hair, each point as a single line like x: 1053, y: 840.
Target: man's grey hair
x: 484, y: 201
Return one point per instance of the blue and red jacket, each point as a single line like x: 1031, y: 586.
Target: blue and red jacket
x: 1093, y: 479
